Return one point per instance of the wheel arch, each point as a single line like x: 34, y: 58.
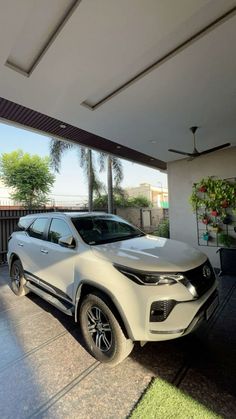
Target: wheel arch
x: 90, y: 288
x: 12, y: 258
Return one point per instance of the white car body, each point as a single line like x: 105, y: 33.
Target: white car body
x: 63, y: 272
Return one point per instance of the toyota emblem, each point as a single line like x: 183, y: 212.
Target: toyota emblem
x: 206, y: 271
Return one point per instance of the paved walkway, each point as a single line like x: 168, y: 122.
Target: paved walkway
x: 45, y: 372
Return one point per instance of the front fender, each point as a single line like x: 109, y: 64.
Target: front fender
x: 107, y: 292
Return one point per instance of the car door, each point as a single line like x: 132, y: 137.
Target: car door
x: 57, y: 262
x: 31, y: 242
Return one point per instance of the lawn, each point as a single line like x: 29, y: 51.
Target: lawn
x: 165, y: 401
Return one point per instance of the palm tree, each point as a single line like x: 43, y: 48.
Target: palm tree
x: 58, y: 148
x: 114, y: 166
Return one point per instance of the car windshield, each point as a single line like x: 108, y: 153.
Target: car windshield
x: 102, y: 229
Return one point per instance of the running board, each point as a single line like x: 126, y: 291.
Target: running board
x: 64, y: 306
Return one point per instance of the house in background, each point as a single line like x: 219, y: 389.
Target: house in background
x: 5, y: 199
x: 158, y: 196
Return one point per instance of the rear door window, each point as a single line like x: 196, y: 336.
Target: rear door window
x: 38, y: 227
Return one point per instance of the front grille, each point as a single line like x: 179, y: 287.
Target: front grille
x: 160, y: 310
x: 200, y: 282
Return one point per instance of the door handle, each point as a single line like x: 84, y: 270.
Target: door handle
x: 20, y: 244
x: 44, y: 251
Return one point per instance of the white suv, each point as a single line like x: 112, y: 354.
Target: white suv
x: 122, y: 285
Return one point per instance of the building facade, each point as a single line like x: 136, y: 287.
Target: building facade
x: 158, y: 196
x: 5, y: 198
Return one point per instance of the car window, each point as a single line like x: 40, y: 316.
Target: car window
x: 24, y: 223
x: 37, y: 228
x: 100, y: 230
x: 58, y: 229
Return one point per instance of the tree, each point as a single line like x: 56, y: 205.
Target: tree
x: 87, y: 162
x: 28, y: 175
x: 114, y: 166
x: 86, y: 159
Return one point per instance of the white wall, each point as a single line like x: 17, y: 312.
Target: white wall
x: 5, y: 195
x: 181, y: 176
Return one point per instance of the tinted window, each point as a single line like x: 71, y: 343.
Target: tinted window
x: 102, y: 229
x: 37, y: 228
x: 58, y: 229
x: 24, y: 223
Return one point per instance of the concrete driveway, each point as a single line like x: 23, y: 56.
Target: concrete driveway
x: 45, y: 372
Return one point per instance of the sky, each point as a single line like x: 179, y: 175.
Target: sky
x: 71, y: 181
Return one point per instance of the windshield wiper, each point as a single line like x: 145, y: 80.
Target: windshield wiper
x: 116, y: 239
x: 136, y: 235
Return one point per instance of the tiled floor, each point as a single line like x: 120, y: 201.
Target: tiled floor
x: 45, y: 372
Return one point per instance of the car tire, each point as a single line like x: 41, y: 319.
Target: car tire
x: 102, y: 333
x: 18, y: 281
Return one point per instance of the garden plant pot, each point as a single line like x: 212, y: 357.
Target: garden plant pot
x: 227, y: 219
x: 206, y: 236
x: 224, y: 204
x: 202, y: 189
x: 225, y: 240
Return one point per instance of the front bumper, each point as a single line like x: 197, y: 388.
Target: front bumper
x: 204, y: 312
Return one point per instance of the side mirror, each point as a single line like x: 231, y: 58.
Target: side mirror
x: 67, y: 241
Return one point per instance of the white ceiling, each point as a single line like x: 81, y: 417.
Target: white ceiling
x: 105, y: 43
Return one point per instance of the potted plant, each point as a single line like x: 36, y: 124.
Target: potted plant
x: 214, y: 212
x: 206, y: 236
x: 205, y: 219
x: 226, y: 219
x: 202, y: 188
x: 215, y: 227
x: 225, y: 239
x: 218, y: 193
x: 225, y: 203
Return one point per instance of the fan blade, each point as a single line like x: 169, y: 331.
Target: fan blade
x: 180, y: 152
x: 210, y: 150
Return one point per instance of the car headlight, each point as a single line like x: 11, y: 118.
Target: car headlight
x: 150, y: 278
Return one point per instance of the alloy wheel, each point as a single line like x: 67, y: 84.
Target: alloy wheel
x: 99, y: 328
x: 16, y: 274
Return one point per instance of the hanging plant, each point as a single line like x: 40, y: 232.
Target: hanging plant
x: 206, y: 236
x: 225, y: 239
x: 215, y: 228
x: 205, y: 219
x: 213, y: 194
x: 226, y: 219
x: 225, y: 203
x: 202, y: 188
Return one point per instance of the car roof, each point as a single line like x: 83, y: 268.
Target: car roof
x: 66, y: 214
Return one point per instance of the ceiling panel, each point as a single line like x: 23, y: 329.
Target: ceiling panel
x: 39, y: 31
x: 106, y: 43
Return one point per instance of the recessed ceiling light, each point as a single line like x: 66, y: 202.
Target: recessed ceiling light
x: 151, y: 159
x: 153, y: 141
x: 118, y: 146
x: 62, y: 126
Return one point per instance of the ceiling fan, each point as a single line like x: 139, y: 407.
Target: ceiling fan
x: 195, y: 152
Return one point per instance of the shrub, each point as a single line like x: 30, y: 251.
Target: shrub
x: 162, y: 229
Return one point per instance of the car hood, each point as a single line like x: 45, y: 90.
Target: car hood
x: 151, y: 253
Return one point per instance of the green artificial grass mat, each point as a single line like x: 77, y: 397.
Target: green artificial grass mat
x: 165, y: 401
